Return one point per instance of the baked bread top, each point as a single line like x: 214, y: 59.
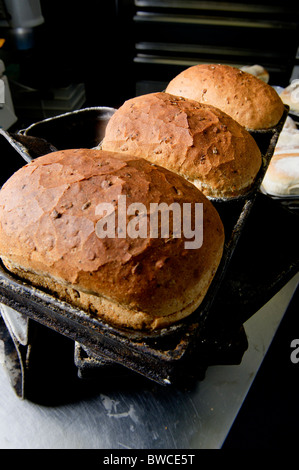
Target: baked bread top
x: 197, y: 141
x: 51, y: 214
x: 250, y: 101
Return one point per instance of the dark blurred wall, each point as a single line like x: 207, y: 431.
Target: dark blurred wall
x: 84, y: 42
x: 119, y: 48
x: 172, y: 35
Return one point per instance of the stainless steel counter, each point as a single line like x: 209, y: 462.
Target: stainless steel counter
x: 150, y: 417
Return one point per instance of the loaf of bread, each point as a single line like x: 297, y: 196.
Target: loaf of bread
x: 288, y: 139
x: 258, y: 71
x: 196, y: 141
x: 251, y: 102
x: 290, y: 96
x: 282, y: 176
x: 64, y: 227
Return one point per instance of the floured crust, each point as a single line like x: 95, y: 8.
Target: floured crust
x: 282, y: 176
x: 250, y: 101
x: 290, y: 96
x: 48, y: 220
x: 196, y: 141
x: 258, y: 71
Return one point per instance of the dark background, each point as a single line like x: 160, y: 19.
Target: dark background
x: 120, y: 48
x: 269, y: 416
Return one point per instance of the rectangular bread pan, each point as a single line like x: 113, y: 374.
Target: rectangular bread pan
x: 84, y: 128
x: 165, y: 356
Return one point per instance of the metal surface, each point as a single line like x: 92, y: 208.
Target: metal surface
x: 129, y: 414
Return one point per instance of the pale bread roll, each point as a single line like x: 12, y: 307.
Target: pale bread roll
x: 282, y: 176
x: 290, y: 96
x: 258, y: 71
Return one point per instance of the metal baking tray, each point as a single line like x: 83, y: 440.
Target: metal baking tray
x: 165, y: 356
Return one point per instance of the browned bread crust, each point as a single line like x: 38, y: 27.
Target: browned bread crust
x: 250, y: 101
x: 196, y: 141
x: 48, y: 235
